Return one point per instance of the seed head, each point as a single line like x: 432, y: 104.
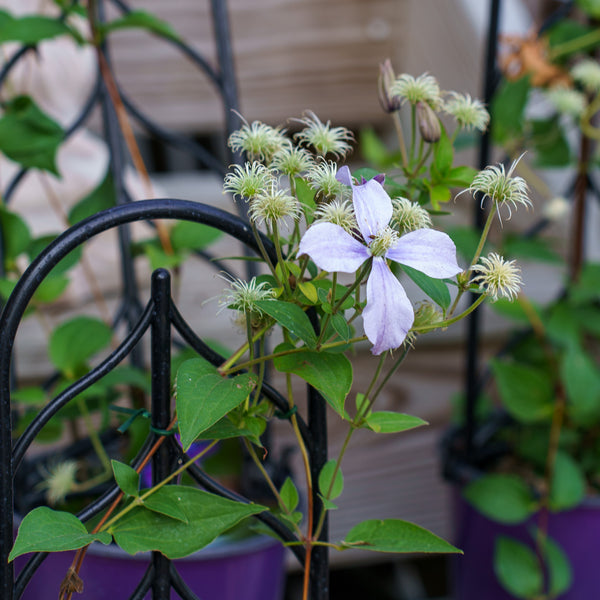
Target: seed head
x: 503, y: 189
x: 409, y: 216
x: 587, y: 73
x: 324, y: 138
x: 322, y: 178
x: 499, y: 277
x: 424, y: 88
x: 468, y: 112
x: 292, y: 161
x: 273, y: 205
x: 258, y: 141
x: 60, y: 480
x: 567, y: 101
x: 243, y: 296
x: 248, y: 181
x: 338, y: 212
x: 557, y: 209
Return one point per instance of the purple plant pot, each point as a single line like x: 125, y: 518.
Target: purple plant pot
x: 252, y: 569
x: 577, y: 531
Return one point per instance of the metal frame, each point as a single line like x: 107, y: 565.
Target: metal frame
x: 158, y: 318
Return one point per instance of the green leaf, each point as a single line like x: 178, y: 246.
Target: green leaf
x: 101, y: 198
x: 436, y: 289
x: 167, y: 501
x: 587, y: 289
x: 250, y: 427
x: 309, y: 290
x: 340, y: 325
x: 466, y: 240
x: 567, y: 489
x: 373, y: 149
x: 581, y: 380
x: 73, y: 342
x: 392, y: 422
x: 567, y: 30
x: 204, y: 396
x: 507, y: 109
x: 51, y: 288
x: 36, y: 396
x: 306, y: 197
x: 394, y: 535
x: 39, y: 244
x: 518, y: 568
x: 126, y: 477
x: 558, y: 566
x: 329, y: 373
x: 530, y: 248
x: 47, y: 530
x: 187, y: 235
x: 443, y: 155
x: 527, y: 393
x: 550, y: 143
x: 28, y: 136
x: 29, y: 29
x: 208, y: 516
x: 158, y: 258
x: 437, y: 194
x: 141, y: 19
x: 330, y: 488
x: 501, y: 497
x: 291, y: 317
x: 460, y: 176
x: 15, y: 234
x: 513, y: 310
x: 591, y: 7
x: 289, y: 495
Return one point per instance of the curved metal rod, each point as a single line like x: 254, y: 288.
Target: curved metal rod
x: 144, y: 585
x: 27, y: 572
x: 12, y: 61
x: 267, y: 518
x: 187, y: 50
x: 107, y: 365
x: 268, y: 391
x: 173, y: 138
x: 180, y: 586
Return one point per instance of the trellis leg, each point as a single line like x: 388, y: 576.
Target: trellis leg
x: 161, y: 406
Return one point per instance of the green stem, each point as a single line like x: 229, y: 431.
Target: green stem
x: 280, y: 261
x: 448, y: 322
x: 400, y: 134
x: 413, y: 132
x: 94, y: 437
x: 573, y: 45
x: 140, y: 499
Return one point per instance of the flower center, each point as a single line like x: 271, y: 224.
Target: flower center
x: 383, y: 241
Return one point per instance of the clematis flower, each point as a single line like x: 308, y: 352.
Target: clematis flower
x: 388, y: 315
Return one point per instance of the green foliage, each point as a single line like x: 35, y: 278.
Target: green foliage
x: 436, y: 289
x: 30, y: 29
x: 329, y: 373
x: 507, y: 110
x: 502, y: 497
x: 204, y: 397
x: 207, y: 515
x: 384, y: 421
x: 518, y: 568
x: 47, y: 530
x: 75, y: 341
x: 331, y: 483
x: 292, y: 318
x: 395, y: 535
x: 140, y: 19
x: 28, y: 136
x: 127, y: 478
x: 101, y: 198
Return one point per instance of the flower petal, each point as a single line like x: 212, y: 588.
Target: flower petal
x: 372, y: 207
x: 389, y: 314
x: 332, y: 248
x: 429, y: 251
x: 343, y: 176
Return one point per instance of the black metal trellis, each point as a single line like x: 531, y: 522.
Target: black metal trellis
x: 158, y: 318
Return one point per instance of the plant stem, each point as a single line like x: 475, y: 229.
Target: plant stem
x: 400, y: 134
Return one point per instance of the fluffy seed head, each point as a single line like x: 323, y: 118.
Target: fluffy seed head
x: 338, y: 212
x: 324, y: 138
x: 557, y: 209
x: 587, y: 73
x: 247, y: 181
x: 243, y: 296
x: 273, y: 205
x: 567, y: 101
x: 321, y: 178
x: 499, y: 277
x: 426, y: 314
x: 292, y: 161
x: 258, y: 140
x: 469, y: 113
x: 424, y: 88
x: 503, y: 189
x: 59, y: 481
x: 409, y: 216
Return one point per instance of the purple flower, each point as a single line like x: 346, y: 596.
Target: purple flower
x: 388, y: 315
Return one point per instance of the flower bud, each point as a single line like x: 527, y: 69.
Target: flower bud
x: 429, y: 124
x: 389, y: 102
